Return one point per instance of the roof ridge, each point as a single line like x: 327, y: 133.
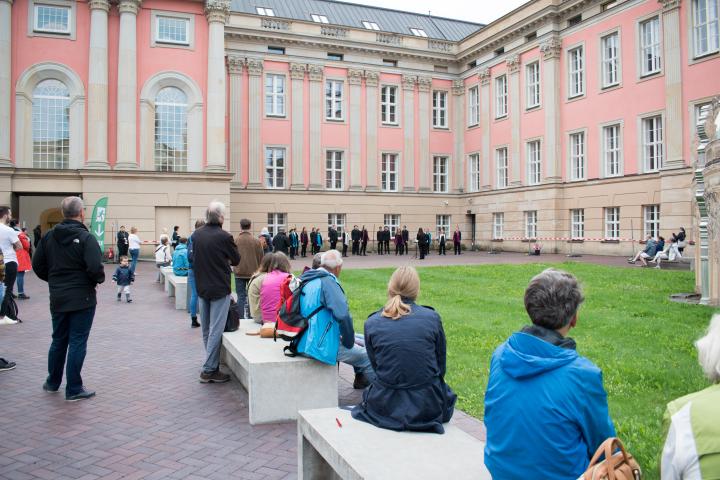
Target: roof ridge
x: 403, y: 11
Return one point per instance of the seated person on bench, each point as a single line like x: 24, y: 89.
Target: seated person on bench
x: 406, y: 345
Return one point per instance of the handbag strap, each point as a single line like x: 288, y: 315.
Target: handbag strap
x: 606, y: 449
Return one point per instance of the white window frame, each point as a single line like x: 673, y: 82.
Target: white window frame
x: 442, y: 221
x: 158, y: 40
x: 370, y: 25
x: 532, y: 84
x: 392, y: 221
x: 35, y: 16
x: 474, y: 171
x: 418, y: 32
x: 333, y: 174
x: 441, y: 167
x: 612, y: 223
x: 649, y: 42
x: 533, y: 160
x: 278, y: 109
x: 473, y: 106
x: 651, y: 220
x: 652, y: 150
x: 501, y: 96
x: 389, y: 176
x: 154, y: 26
x: 333, y: 102
x: 271, y: 180
x: 501, y: 167
x: 530, y: 224
x: 337, y: 219
x: 389, y: 109
x: 276, y: 221
x: 317, y: 18
x: 706, y: 23
x: 611, y: 152
x: 498, y: 225
x: 32, y: 19
x: 265, y: 11
x: 577, y: 155
x: 440, y: 109
x: 577, y: 224
x: 576, y: 71
x: 610, y: 60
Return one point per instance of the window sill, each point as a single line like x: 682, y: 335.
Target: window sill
x: 390, y: 125
x: 533, y: 108
x: 610, y: 240
x: 276, y: 117
x: 704, y: 58
x: 576, y: 240
x: 529, y: 240
x: 335, y: 121
x: 442, y: 129
x: 497, y: 240
x: 649, y: 76
x: 500, y: 119
x: 576, y: 98
x: 474, y: 125
x: 610, y: 88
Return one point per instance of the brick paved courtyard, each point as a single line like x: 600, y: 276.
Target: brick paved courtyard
x: 151, y: 417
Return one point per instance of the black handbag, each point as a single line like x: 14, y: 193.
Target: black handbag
x: 233, y: 317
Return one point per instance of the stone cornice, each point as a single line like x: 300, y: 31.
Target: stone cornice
x: 551, y: 48
x: 129, y: 6
x: 669, y: 5
x: 254, y: 66
x: 484, y: 77
x: 372, y: 78
x: 235, y: 64
x: 99, y: 5
x: 408, y: 82
x: 424, y: 83
x: 458, y: 86
x: 355, y: 76
x: 217, y: 11
x: 297, y: 71
x: 315, y: 72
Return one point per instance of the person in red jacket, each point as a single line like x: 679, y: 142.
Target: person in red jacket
x: 24, y: 263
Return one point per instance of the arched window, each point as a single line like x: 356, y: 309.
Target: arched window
x: 171, y: 152
x: 51, y: 125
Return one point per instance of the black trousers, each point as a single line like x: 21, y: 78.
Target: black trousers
x: 10, y: 276
x: 441, y: 249
x: 344, y: 252
x: 363, y: 248
x: 356, y: 247
x: 122, y: 251
x: 303, y: 250
x: 333, y: 244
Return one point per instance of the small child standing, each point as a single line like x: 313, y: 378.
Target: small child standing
x: 123, y: 277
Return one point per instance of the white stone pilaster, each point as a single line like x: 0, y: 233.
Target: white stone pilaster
x: 127, y: 86
x: 458, y: 92
x: 355, y: 81
x: 216, y: 12
x: 424, y: 87
x: 371, y: 109
x: 552, y: 156
x: 235, y: 69
x: 487, y: 157
x: 513, y: 69
x: 673, y: 128
x: 297, y: 79
x: 5, y: 81
x: 317, y: 162
x: 98, y: 86
x: 408, y: 86
x: 255, y: 102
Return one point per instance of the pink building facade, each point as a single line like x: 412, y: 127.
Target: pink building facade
x: 570, y: 124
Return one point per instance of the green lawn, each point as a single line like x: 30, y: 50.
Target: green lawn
x: 627, y: 326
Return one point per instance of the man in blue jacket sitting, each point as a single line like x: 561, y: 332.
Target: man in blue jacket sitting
x: 546, y: 410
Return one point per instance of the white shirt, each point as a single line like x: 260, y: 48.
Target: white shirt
x: 679, y: 459
x: 134, y: 242
x: 8, y: 237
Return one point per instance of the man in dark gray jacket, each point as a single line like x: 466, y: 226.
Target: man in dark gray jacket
x: 70, y: 260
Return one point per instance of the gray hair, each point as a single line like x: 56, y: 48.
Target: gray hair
x: 708, y: 348
x: 316, y: 261
x: 215, y: 213
x: 72, y: 207
x: 331, y: 259
x: 552, y: 299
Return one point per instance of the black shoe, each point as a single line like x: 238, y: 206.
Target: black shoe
x: 194, y: 323
x: 215, y: 377
x: 5, y: 365
x: 49, y: 389
x: 119, y: 296
x: 360, y: 382
x: 81, y: 395
x: 22, y: 296
x: 129, y: 300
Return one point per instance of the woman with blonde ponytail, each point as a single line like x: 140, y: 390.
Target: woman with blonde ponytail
x: 406, y: 346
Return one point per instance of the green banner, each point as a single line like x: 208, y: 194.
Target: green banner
x: 97, y: 224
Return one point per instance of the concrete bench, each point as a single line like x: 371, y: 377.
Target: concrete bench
x: 178, y: 288
x: 278, y: 386
x: 358, y: 450
x: 682, y: 263
x: 164, y: 271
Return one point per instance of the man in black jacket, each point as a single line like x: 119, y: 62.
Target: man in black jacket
x: 333, y: 237
x: 69, y: 259
x: 355, y: 237
x: 281, y: 243
x: 122, y: 242
x: 213, y: 252
x: 406, y: 239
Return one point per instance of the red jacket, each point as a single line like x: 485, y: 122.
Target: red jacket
x: 23, y: 255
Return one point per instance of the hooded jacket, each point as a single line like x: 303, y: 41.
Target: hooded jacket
x: 546, y: 410
x: 180, y: 262
x: 70, y: 260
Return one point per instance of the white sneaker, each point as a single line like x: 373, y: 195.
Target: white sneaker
x: 7, y: 321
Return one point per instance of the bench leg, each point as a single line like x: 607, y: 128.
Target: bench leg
x: 180, y: 297
x: 311, y: 465
x: 170, y: 289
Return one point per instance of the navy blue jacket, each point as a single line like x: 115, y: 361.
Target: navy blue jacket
x: 123, y: 276
x: 408, y: 355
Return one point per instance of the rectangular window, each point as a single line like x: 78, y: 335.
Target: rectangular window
x: 52, y: 19
x: 276, y: 222
x: 650, y: 60
x: 474, y: 170
x: 389, y: 172
x: 576, y: 72
x: 612, y: 223
x: 498, y: 223
x: 274, y: 167
x: 392, y: 221
x: 319, y: 18
x: 652, y: 143
x: 705, y: 27
x: 577, y: 156
x: 501, y: 95
x: 388, y: 105
x: 389, y: 63
x: 439, y: 112
x: 651, y: 214
x: 531, y: 224
x: 418, y: 32
x: 501, y: 167
x: 334, y: 100
x: 533, y: 162
x: 473, y: 106
x: 172, y: 30
x: 338, y: 57
x: 276, y: 50
x: 532, y: 82
x: 371, y: 25
x: 572, y: 21
x: 577, y: 224
x: 442, y: 223
x: 610, y: 45
x: 337, y: 219
x: 268, y: 12
x: 440, y: 174
x: 334, y: 170
x: 275, y: 95
x: 611, y: 150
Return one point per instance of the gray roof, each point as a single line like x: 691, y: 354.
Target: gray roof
x: 352, y: 15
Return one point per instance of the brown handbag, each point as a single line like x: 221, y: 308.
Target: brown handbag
x: 618, y: 466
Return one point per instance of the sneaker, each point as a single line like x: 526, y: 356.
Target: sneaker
x: 49, y: 389
x: 630, y: 260
x: 81, y: 395
x: 5, y: 365
x: 215, y: 377
x: 360, y: 382
x: 7, y: 321
x: 119, y: 296
x: 22, y: 296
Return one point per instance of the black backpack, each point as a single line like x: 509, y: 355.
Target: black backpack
x: 10, y: 308
x: 233, y: 319
x: 291, y: 323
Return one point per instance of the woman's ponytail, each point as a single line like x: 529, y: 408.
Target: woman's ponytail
x: 404, y: 284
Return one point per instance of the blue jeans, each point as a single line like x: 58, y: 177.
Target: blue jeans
x: 242, y: 300
x: 69, y: 339
x: 20, y: 281
x: 358, y: 358
x: 193, y: 293
x: 134, y: 254
x: 213, y: 317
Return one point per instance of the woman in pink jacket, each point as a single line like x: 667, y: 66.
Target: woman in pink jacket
x: 270, y: 290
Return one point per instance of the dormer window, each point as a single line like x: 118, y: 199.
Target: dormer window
x: 419, y: 32
x: 319, y: 18
x: 268, y: 12
x: 370, y: 25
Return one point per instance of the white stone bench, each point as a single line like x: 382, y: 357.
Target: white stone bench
x: 178, y: 288
x: 358, y: 450
x: 164, y: 271
x: 278, y: 386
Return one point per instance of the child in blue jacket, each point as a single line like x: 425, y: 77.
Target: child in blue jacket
x: 180, y: 262
x: 123, y: 277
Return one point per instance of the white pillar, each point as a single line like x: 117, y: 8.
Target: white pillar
x: 235, y: 69
x: 513, y: 71
x: 255, y: 99
x: 5, y: 82
x: 487, y: 157
x: 458, y: 112
x: 297, y: 76
x: 424, y: 87
x: 673, y: 128
x: 551, y: 166
x: 317, y: 162
x: 216, y: 12
x: 371, y: 127
x: 127, y: 86
x: 97, y: 96
x: 355, y: 81
x: 408, y: 86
